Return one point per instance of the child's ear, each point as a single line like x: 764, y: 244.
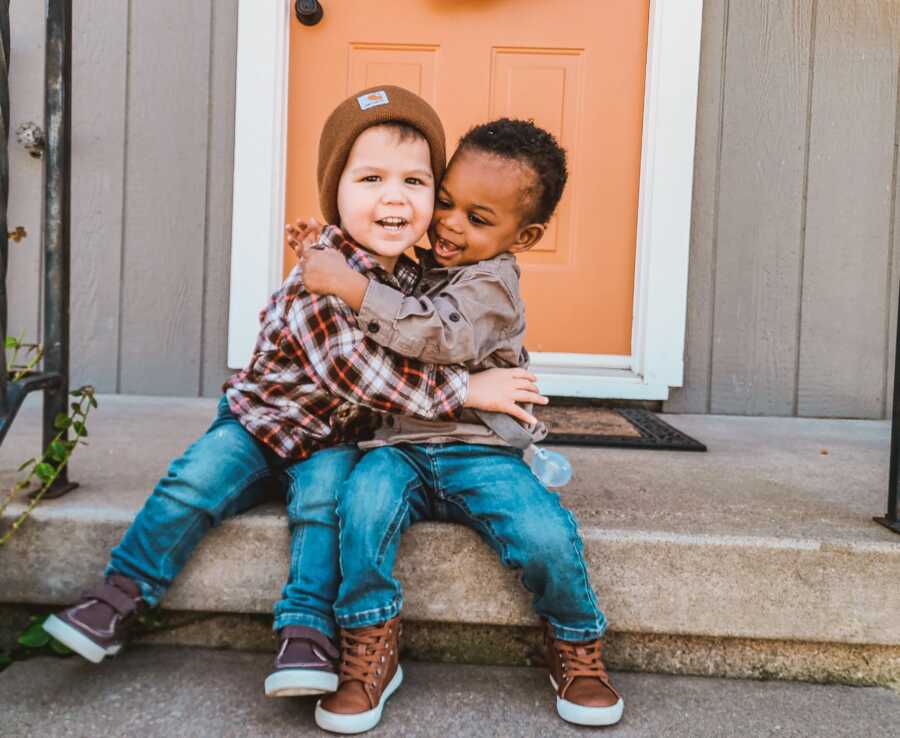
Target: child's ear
x: 528, y: 237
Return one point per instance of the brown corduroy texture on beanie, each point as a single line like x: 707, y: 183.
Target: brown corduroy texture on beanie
x: 349, y: 119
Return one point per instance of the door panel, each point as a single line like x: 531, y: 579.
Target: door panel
x: 576, y: 67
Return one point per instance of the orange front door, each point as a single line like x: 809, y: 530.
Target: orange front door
x: 576, y: 67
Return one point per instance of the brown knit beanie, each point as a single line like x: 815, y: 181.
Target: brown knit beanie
x: 363, y: 110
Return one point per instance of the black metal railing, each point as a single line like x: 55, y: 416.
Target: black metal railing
x: 53, y: 379
x: 892, y: 519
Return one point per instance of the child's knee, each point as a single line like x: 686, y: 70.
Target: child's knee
x: 317, y: 479
x: 306, y: 507
x: 374, y: 487
x: 551, y: 537
x: 188, y: 489
x: 312, y: 498
x: 369, y: 500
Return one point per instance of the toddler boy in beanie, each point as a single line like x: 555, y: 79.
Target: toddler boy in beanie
x: 373, y: 107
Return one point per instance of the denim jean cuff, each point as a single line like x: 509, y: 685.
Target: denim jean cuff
x: 566, y: 633
x: 372, y: 616
x: 151, y: 594
x: 323, y: 625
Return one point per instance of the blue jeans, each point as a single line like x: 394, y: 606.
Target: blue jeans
x: 487, y: 488
x: 226, y: 472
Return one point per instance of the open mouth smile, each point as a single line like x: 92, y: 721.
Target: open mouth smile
x: 445, y: 249
x: 393, y: 224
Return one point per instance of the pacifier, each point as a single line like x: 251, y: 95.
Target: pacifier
x: 551, y: 467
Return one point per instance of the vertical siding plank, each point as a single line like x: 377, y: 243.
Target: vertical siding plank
x: 26, y: 93
x: 165, y: 197
x: 693, y: 397
x: 219, y: 191
x: 891, y: 338
x: 760, y: 207
x: 845, y: 300
x: 99, y: 64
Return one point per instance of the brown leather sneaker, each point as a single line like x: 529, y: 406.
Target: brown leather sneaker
x: 305, y: 664
x: 370, y: 674
x: 584, y: 694
x: 96, y: 627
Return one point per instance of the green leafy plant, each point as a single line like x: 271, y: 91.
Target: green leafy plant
x: 23, y: 359
x: 19, y: 351
x: 44, y: 469
x: 33, y: 641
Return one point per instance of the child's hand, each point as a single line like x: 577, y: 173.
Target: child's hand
x: 325, y: 271
x: 303, y: 234
x: 498, y: 390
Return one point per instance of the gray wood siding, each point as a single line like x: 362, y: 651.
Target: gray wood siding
x: 99, y: 82
x: 761, y: 172
x: 218, y: 198
x: 795, y: 249
x: 165, y: 196
x: 846, y: 288
x: 153, y: 133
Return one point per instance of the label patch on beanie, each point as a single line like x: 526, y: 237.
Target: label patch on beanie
x: 372, y: 99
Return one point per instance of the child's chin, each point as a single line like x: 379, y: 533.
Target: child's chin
x: 392, y: 248
x: 447, y: 261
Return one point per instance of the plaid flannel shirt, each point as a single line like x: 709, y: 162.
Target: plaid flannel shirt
x: 314, y: 373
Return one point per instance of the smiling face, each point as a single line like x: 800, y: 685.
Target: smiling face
x: 386, y: 192
x: 482, y: 209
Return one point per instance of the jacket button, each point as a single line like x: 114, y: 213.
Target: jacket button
x: 373, y: 327
x: 454, y: 317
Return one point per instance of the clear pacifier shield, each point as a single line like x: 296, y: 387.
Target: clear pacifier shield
x: 551, y: 467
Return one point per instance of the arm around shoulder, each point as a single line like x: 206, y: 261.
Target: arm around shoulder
x: 328, y: 342
x: 459, y: 324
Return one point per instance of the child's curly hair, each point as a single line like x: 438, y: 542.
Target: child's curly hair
x: 525, y: 142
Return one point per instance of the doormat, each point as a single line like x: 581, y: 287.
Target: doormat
x: 624, y: 427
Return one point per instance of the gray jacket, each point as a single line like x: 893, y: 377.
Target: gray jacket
x: 471, y: 315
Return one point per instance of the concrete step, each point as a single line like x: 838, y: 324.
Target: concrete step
x: 165, y: 692
x: 767, y: 537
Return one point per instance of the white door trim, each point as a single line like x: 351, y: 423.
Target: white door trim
x: 260, y: 141
x: 656, y: 362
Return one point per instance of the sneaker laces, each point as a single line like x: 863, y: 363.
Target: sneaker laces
x: 582, y: 660
x: 364, y: 653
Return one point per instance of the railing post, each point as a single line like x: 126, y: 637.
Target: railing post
x: 892, y: 519
x: 53, y: 378
x: 58, y: 128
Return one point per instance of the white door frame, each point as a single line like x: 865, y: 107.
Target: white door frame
x: 656, y: 362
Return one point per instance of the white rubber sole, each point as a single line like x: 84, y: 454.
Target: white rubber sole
x: 77, y: 641
x: 582, y: 715
x: 362, y: 721
x: 299, y: 683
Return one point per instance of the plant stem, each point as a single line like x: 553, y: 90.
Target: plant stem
x: 27, y: 511
x: 14, y: 490
x: 80, y: 411
x: 35, y: 360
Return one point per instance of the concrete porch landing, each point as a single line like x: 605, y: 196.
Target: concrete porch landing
x: 166, y: 692
x: 767, y: 536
